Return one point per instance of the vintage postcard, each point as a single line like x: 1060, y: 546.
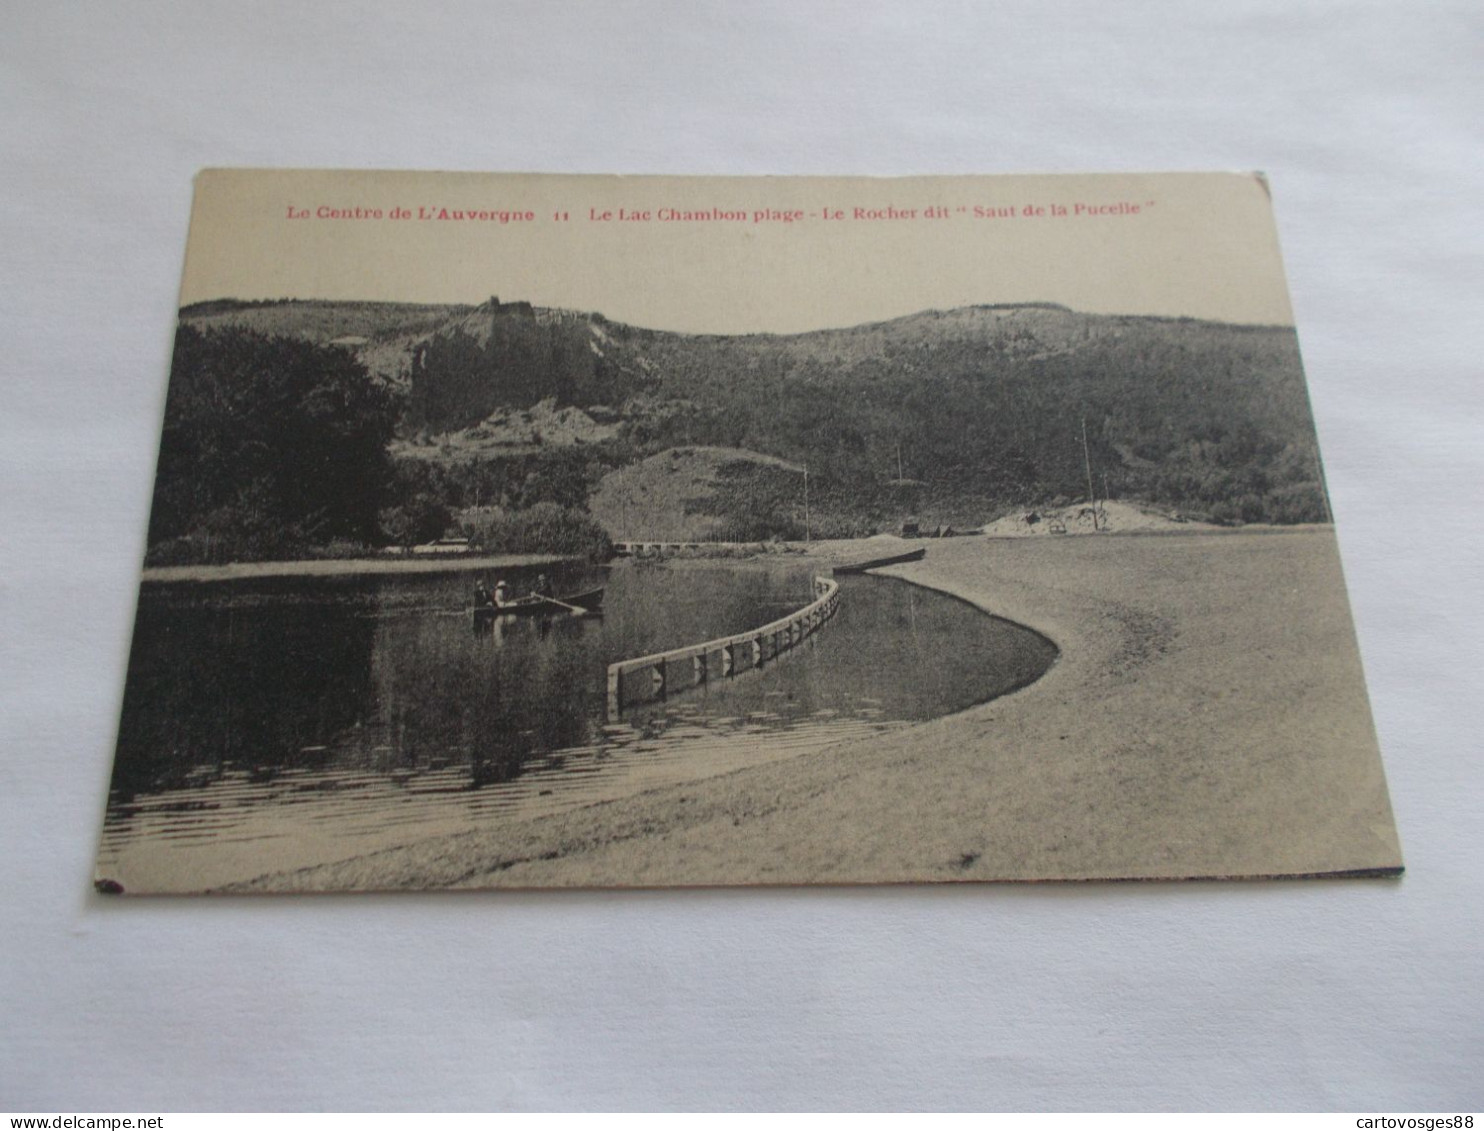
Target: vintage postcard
x: 570, y: 531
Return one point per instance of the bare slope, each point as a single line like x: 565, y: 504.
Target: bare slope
x: 693, y: 494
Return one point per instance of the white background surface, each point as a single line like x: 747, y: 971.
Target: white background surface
x: 1298, y: 995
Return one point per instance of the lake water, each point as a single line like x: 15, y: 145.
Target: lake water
x: 283, y: 723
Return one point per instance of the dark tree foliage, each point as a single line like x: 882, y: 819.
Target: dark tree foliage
x: 988, y: 407
x: 269, y: 444
x: 422, y: 518
x: 565, y: 476
x: 545, y: 528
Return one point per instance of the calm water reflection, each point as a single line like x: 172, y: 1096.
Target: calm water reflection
x: 285, y: 723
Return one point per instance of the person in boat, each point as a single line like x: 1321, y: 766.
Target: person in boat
x: 501, y: 594
x: 543, y: 587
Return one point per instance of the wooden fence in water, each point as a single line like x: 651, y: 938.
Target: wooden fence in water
x: 725, y: 656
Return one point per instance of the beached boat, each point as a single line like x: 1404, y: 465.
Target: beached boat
x: 896, y: 559
x: 533, y: 605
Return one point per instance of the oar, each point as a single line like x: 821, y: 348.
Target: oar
x: 563, y: 604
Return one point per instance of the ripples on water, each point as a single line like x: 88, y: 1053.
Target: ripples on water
x: 277, y: 725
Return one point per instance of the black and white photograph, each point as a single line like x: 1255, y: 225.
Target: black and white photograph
x: 630, y: 532
x: 647, y: 555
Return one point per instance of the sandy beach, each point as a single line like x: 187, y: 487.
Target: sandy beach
x: 1207, y: 717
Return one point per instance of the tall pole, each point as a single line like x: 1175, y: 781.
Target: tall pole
x: 1087, y: 462
x: 806, y: 504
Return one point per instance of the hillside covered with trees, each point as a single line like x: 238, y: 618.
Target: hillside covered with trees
x: 312, y: 421
x: 270, y: 444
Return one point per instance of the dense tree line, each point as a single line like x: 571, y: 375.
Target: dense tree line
x: 544, y: 528
x: 277, y: 446
x: 1206, y: 418
x: 986, y: 405
x: 565, y: 476
x: 270, y: 446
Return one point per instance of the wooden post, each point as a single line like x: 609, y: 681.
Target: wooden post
x: 1087, y: 460
x: 807, y: 531
x: 615, y: 693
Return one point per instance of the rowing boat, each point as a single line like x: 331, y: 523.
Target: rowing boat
x: 533, y: 605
